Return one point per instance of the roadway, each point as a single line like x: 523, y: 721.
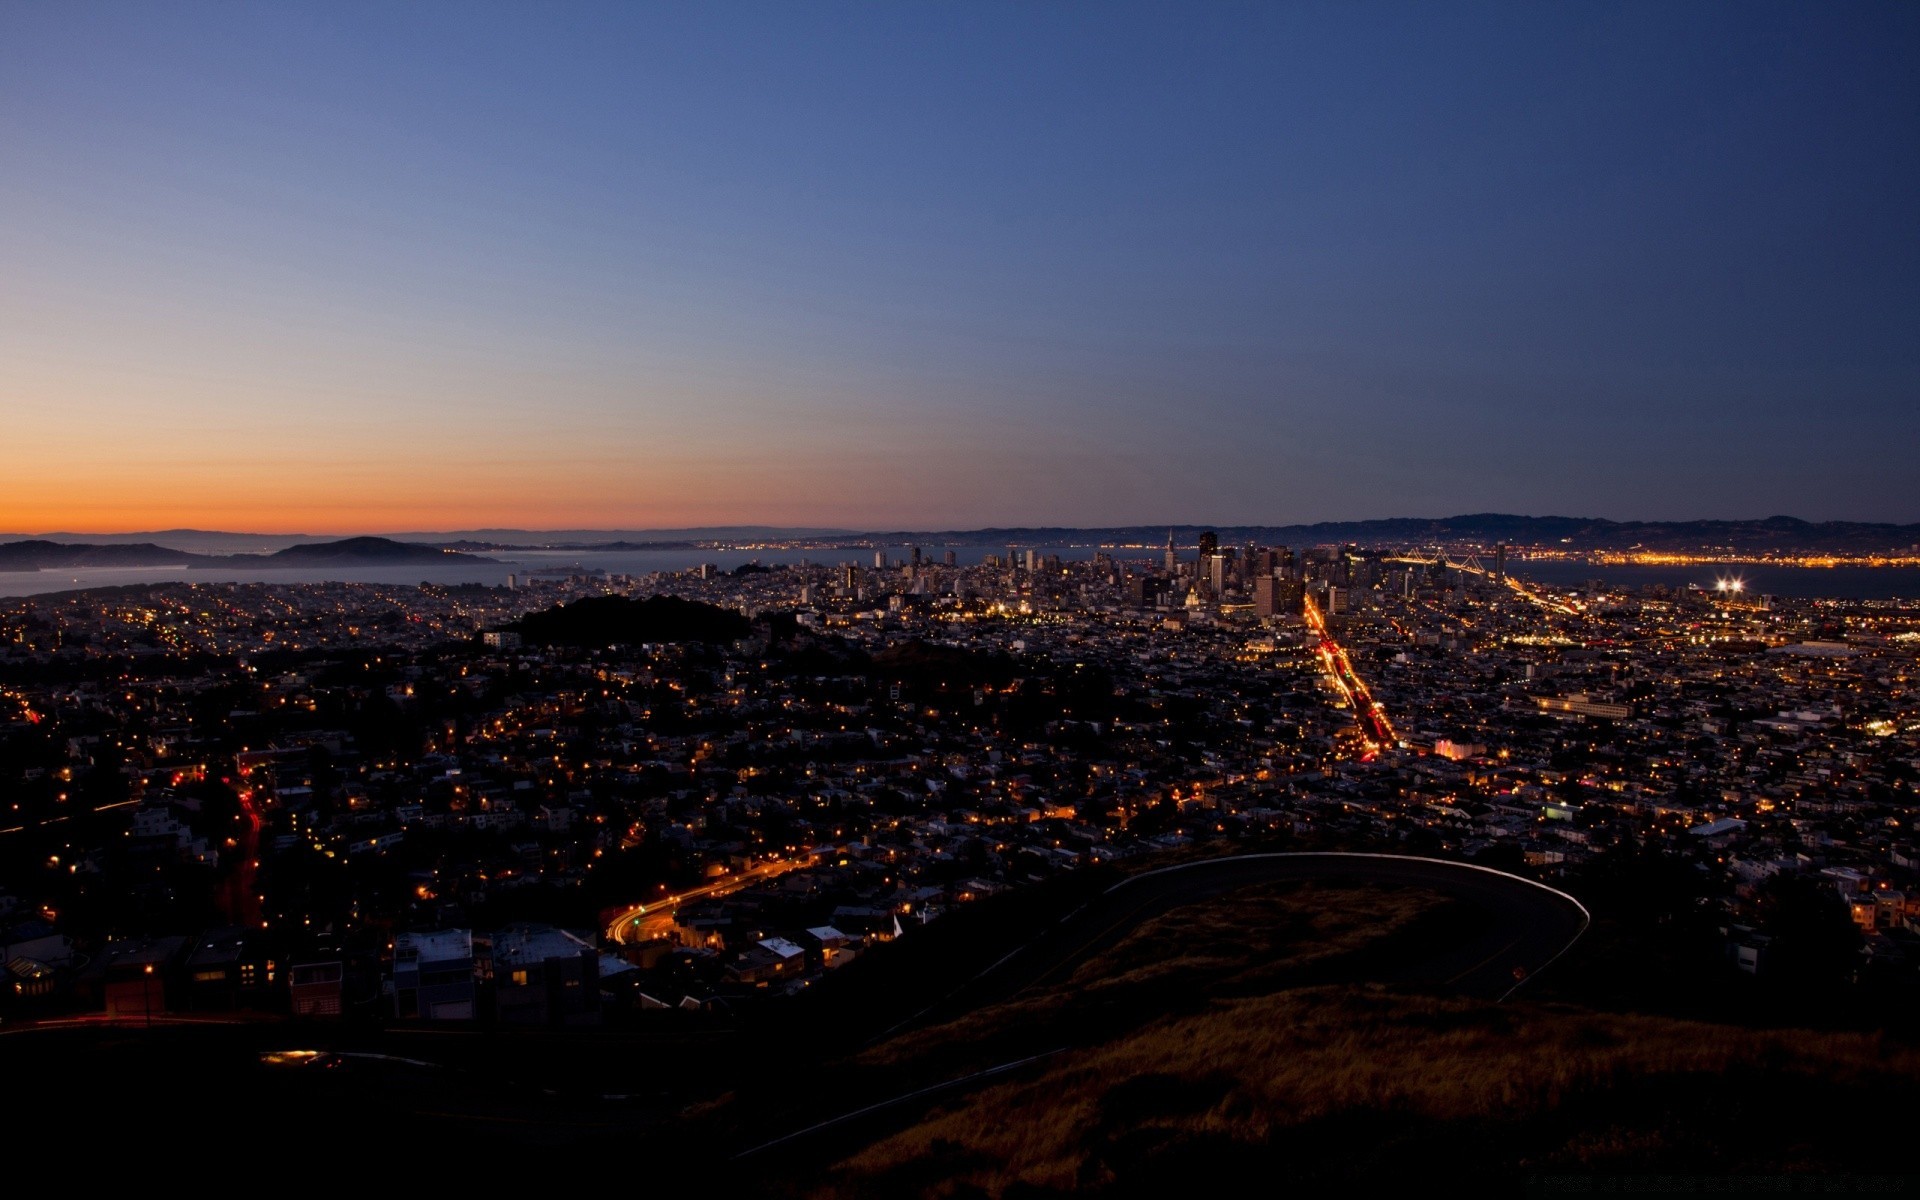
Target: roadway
x: 1339, y: 668
x: 655, y: 919
x: 241, y: 894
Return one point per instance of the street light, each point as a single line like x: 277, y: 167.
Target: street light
x: 146, y: 996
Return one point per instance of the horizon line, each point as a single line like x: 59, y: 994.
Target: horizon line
x: 789, y: 532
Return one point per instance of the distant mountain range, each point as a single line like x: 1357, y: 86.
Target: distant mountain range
x: 44, y: 555
x: 192, y: 547
x: 1775, y: 534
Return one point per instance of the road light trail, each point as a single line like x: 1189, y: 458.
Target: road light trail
x: 1339, y: 668
x: 645, y: 922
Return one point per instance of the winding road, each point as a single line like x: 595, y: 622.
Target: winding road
x: 655, y: 919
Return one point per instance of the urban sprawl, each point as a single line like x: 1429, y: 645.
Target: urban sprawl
x: 425, y: 804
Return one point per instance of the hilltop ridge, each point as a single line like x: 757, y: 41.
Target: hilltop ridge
x: 44, y: 555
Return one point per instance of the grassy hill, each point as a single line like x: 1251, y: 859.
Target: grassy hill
x: 1206, y: 1048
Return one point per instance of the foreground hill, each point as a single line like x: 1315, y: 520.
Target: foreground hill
x: 1225, y: 1041
x: 1220, y: 1041
x: 1336, y: 1087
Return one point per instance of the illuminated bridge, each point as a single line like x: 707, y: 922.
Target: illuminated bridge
x: 1471, y: 565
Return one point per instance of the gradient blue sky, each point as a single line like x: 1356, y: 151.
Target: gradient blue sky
x: 352, y: 267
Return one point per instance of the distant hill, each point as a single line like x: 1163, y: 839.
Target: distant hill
x: 617, y: 539
x: 194, y: 541
x: 1582, y: 533
x: 618, y: 620
x: 369, y: 550
x: 41, y: 555
x: 37, y: 555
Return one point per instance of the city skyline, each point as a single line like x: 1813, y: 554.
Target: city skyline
x: 349, y: 269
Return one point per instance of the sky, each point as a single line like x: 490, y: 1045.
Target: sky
x: 344, y: 267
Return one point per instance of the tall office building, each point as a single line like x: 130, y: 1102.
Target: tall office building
x: 1266, y: 591
x: 1203, y: 569
x: 1290, y: 596
x: 1173, y: 556
x: 1500, y: 561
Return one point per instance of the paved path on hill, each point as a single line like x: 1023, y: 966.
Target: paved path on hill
x: 1526, y: 926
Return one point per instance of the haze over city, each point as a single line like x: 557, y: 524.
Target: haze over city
x: 360, y: 268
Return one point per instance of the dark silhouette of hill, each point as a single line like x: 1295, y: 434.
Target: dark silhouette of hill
x: 1778, y: 533
x: 927, y: 664
x: 355, y: 550
x: 619, y: 620
x: 40, y: 554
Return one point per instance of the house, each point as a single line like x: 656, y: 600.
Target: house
x: 871, y: 923
x: 227, y: 969
x: 317, y: 989
x: 433, y: 976
x: 135, y: 978
x: 1718, y: 834
x: 835, y: 948
x: 1746, y: 948
x: 771, y: 960
x: 545, y: 976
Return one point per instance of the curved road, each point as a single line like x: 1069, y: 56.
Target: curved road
x: 655, y: 919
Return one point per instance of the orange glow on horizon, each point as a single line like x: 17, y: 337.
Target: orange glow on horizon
x: 440, y: 496
x: 434, y: 495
